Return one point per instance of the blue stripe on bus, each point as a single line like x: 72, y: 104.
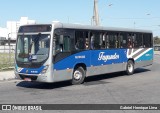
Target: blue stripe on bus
x: 90, y: 58
x: 147, y: 56
x: 30, y: 70
x: 98, y: 58
x: 93, y: 58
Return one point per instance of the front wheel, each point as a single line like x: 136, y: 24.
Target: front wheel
x: 130, y: 67
x: 78, y: 76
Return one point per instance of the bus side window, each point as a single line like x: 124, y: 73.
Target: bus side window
x: 123, y: 40
x: 113, y: 40
x: 58, y: 44
x: 140, y: 40
x: 102, y: 42
x: 116, y: 41
x: 130, y: 42
x: 147, y: 40
x: 95, y: 40
x: 62, y: 43
x: 135, y: 41
x: 86, y: 36
x: 107, y: 40
x: 120, y: 43
x: 66, y: 44
x: 92, y: 40
x: 79, y: 40
x: 86, y: 43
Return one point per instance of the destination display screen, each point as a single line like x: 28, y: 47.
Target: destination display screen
x: 35, y: 28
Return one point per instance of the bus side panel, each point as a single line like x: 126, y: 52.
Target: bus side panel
x: 107, y: 61
x: 102, y: 61
x: 62, y: 75
x: 145, y: 58
x: 104, y: 69
x: 63, y: 69
x: 142, y: 56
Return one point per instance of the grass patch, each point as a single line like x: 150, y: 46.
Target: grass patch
x: 6, y: 61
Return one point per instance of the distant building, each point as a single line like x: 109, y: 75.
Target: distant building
x: 3, y: 32
x: 12, y: 29
x: 3, y: 35
x: 13, y: 26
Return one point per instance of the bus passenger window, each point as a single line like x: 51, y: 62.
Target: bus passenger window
x: 86, y: 36
x: 66, y: 44
x: 79, y: 44
x: 116, y: 41
x: 102, y: 41
x: 92, y: 41
x: 95, y: 41
x: 113, y: 40
x: 147, y: 40
x: 134, y: 40
x: 79, y: 40
x: 107, y: 40
x: 62, y: 44
x: 129, y: 43
x: 123, y: 40
x: 87, y: 43
x: 119, y: 40
x: 139, y: 40
x: 58, y: 44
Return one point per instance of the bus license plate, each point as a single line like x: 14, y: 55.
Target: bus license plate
x: 27, y: 79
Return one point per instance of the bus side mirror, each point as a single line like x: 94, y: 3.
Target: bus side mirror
x: 61, y: 39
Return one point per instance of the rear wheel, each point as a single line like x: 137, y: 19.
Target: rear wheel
x: 78, y: 76
x: 130, y: 67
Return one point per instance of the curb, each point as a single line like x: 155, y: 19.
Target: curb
x: 7, y: 75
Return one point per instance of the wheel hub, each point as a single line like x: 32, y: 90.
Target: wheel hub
x: 77, y: 75
x: 130, y: 67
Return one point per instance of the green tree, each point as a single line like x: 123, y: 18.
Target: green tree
x: 156, y: 40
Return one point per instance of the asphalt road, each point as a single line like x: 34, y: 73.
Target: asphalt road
x: 141, y: 88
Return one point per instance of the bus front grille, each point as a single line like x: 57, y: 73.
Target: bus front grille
x: 33, y: 78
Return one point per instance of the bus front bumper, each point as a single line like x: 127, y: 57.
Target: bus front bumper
x: 33, y: 77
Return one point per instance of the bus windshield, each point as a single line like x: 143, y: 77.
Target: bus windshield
x: 32, y: 48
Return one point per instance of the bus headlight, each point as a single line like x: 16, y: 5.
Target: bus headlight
x: 45, y: 69
x: 19, y: 69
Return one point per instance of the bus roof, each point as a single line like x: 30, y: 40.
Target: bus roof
x: 80, y: 26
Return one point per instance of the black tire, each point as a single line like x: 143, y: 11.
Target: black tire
x: 130, y: 67
x: 78, y: 76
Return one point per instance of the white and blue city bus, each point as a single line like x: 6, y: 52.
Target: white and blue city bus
x: 58, y: 52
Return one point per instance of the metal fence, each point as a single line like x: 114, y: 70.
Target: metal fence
x: 7, y: 54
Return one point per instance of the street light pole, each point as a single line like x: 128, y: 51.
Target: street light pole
x: 9, y: 41
x: 95, y: 16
